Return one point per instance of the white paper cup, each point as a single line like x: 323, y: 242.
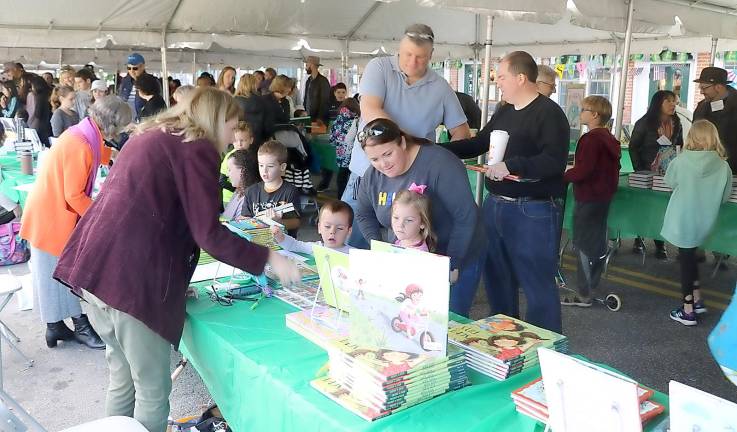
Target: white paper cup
x: 497, y: 146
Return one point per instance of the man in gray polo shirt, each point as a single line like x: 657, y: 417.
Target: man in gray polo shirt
x: 403, y: 88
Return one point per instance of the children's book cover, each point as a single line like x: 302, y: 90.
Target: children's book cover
x: 399, y: 301
x: 333, y: 269
x: 504, y: 338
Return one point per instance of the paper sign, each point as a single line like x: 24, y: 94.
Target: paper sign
x: 694, y: 410
x: 717, y: 105
x: 212, y: 270
x: 583, y: 398
x: 664, y: 141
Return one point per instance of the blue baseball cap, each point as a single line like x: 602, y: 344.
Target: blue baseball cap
x: 135, y: 59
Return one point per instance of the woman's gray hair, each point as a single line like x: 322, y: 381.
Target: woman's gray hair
x: 112, y: 114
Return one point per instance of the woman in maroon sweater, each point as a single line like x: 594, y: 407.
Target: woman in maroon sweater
x: 594, y: 176
x: 134, y: 252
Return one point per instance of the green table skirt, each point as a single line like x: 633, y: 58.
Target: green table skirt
x: 258, y: 371
x: 324, y: 151
x: 12, y: 177
x: 640, y: 212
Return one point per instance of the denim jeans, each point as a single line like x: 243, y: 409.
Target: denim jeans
x: 350, y: 196
x: 463, y: 291
x: 523, y: 252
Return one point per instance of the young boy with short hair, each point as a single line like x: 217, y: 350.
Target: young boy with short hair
x: 242, y: 140
x: 594, y: 176
x: 266, y: 197
x: 334, y: 226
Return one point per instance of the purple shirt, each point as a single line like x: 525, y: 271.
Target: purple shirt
x: 137, y: 246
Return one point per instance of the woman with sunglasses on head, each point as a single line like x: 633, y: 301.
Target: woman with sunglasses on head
x: 400, y: 161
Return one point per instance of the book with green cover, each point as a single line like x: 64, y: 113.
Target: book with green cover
x: 333, y: 269
x: 503, y: 339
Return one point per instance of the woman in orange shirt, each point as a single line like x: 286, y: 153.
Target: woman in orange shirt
x: 60, y: 197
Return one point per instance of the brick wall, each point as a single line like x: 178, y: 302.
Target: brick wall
x: 454, y: 78
x: 627, y: 115
x: 702, y: 60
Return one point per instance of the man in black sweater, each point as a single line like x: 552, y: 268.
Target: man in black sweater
x: 523, y: 218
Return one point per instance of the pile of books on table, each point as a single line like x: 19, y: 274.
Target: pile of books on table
x: 500, y: 346
x: 733, y: 196
x: 641, y: 179
x: 375, y: 383
x: 659, y: 184
x: 320, y: 324
x: 530, y: 400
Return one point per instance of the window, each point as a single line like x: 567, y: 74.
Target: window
x: 730, y: 64
x: 600, y: 82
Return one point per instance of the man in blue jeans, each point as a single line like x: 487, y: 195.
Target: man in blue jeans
x: 523, y: 218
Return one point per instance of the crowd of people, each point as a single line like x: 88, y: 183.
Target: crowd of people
x: 213, y: 155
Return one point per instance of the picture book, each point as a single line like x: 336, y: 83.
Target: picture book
x: 384, y: 364
x: 333, y: 269
x: 319, y: 324
x: 302, y: 295
x: 504, y: 339
x: 399, y: 301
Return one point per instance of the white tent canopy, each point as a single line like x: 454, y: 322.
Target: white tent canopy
x: 250, y: 34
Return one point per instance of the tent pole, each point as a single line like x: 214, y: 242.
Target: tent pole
x: 485, y: 102
x: 164, y: 70
x: 615, y: 62
x: 344, y: 63
x: 713, y: 57
x: 194, y: 67
x: 625, y: 66
x: 61, y: 59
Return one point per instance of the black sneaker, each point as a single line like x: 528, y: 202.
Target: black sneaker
x: 638, y: 246
x: 682, y: 317
x: 699, y: 308
x: 661, y: 254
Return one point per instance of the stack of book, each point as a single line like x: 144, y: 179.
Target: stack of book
x: 320, y: 324
x: 641, y: 179
x: 659, y: 184
x: 255, y: 230
x: 500, y: 346
x: 530, y: 400
x: 375, y: 383
x: 733, y: 196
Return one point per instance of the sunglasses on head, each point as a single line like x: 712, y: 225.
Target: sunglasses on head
x: 373, y: 131
x: 424, y: 36
x: 133, y: 68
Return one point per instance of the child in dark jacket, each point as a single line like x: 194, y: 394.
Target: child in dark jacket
x: 594, y: 176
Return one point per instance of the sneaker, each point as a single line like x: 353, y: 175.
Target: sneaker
x: 699, y: 308
x: 661, y: 254
x: 638, y: 246
x: 574, y: 300
x: 682, y: 317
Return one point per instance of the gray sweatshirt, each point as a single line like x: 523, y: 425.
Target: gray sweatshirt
x: 455, y: 216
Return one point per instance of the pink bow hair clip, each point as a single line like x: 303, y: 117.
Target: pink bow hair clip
x: 420, y: 189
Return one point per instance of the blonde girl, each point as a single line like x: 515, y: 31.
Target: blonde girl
x: 411, y: 220
x: 701, y: 180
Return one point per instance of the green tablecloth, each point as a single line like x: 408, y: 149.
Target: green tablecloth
x: 640, y: 212
x: 12, y: 177
x: 324, y: 151
x: 258, y: 371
